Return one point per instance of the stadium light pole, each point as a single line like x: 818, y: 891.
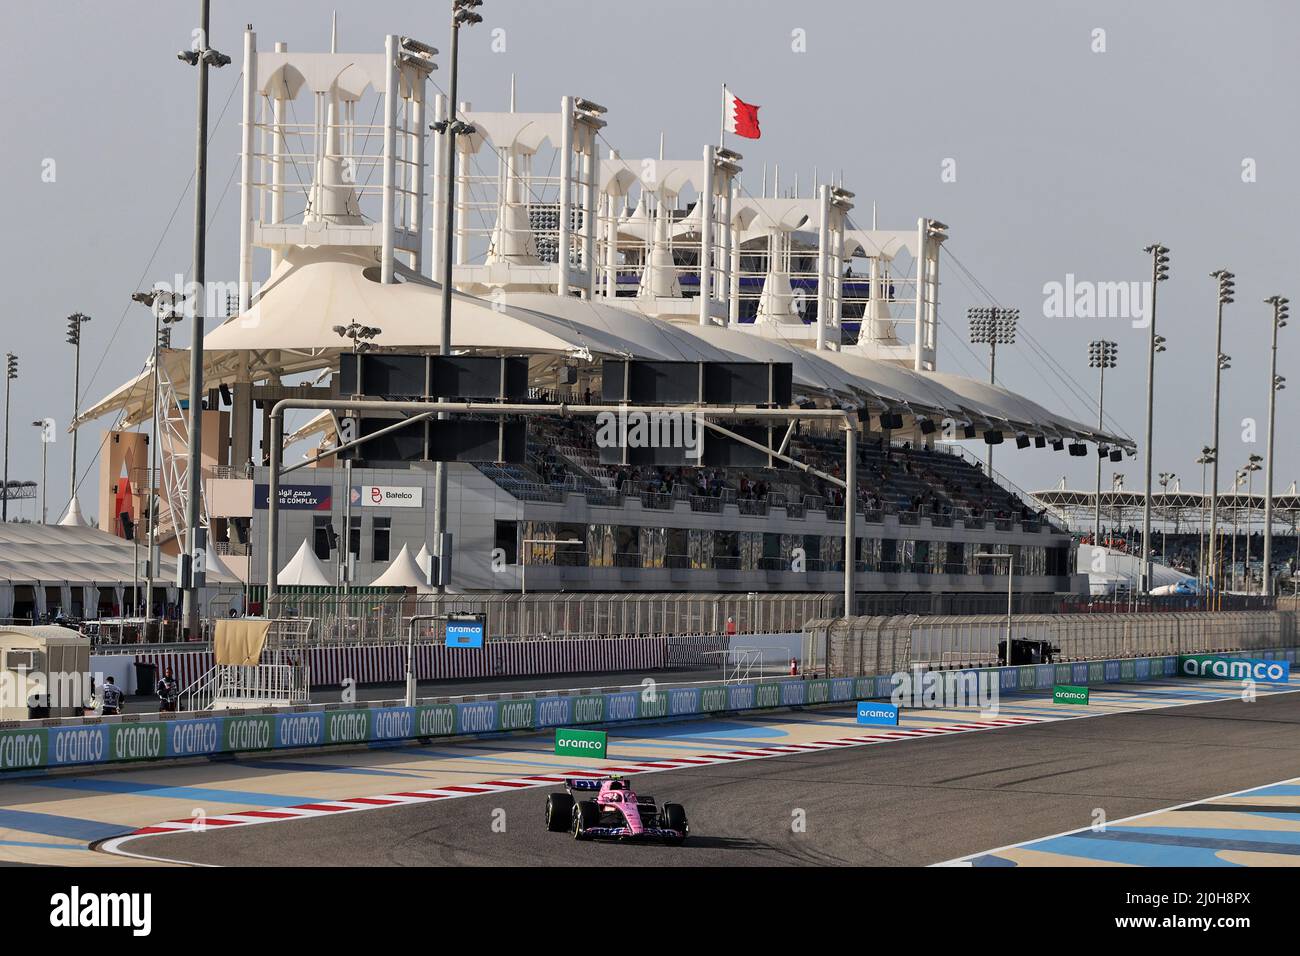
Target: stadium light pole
x: 203, y: 58
x: 1252, y: 466
x: 1165, y: 478
x: 1238, y: 478
x: 362, y: 337
x: 1155, y: 343
x: 1102, y: 354
x: 1226, y: 288
x: 462, y: 14
x: 11, y: 373
x: 75, y: 322
x: 1281, y: 310
x: 45, y: 448
x: 1207, y: 456
x: 992, y: 326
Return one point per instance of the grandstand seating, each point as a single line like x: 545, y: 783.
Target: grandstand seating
x: 894, y: 479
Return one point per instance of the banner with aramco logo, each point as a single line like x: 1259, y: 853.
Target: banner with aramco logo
x: 874, y: 712
x: 580, y: 743
x: 1068, y: 694
x: 1234, y: 668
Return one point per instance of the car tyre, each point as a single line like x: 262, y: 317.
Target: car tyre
x: 559, y: 812
x: 674, y: 817
x: 585, y: 816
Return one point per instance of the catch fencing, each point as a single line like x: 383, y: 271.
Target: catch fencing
x: 857, y: 645
x: 379, y: 617
x: 386, y: 663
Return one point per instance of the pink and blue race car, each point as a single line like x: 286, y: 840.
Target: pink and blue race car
x: 608, y: 808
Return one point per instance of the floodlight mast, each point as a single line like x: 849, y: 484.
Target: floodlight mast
x: 202, y: 59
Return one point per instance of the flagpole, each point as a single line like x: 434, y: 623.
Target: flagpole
x: 722, y: 133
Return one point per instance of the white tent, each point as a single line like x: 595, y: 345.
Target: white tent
x: 73, y: 517
x: 304, y: 570
x: 1111, y: 569
x: 404, y: 572
x: 424, y: 559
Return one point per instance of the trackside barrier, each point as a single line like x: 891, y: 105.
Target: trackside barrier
x: 53, y: 744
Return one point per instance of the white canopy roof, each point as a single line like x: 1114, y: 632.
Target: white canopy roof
x: 79, y: 555
x: 304, y: 569
x: 313, y: 290
x: 403, y: 572
x: 290, y: 329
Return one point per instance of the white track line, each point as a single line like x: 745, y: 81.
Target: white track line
x: 970, y: 858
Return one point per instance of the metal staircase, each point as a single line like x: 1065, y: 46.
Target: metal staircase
x: 229, y: 686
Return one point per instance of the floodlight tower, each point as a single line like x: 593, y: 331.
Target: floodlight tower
x: 992, y: 326
x: 11, y: 373
x: 1281, y: 310
x: 1155, y: 343
x: 1222, y: 362
x: 1102, y: 354
x: 75, y: 321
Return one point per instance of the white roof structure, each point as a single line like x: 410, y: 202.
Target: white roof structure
x: 73, y: 517
x: 403, y: 572
x: 1120, y: 568
x: 304, y: 570
x: 314, y: 288
x: 79, y: 555
x: 330, y: 268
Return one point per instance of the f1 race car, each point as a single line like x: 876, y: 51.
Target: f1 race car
x: 608, y: 807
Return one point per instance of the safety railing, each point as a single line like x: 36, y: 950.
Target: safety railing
x: 236, y: 685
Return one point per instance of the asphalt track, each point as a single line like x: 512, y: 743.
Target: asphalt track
x: 914, y: 803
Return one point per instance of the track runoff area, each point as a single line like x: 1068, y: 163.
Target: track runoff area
x: 1169, y: 772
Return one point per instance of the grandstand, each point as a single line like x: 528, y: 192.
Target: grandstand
x: 602, y: 257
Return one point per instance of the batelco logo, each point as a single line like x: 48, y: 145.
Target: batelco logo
x: 76, y: 909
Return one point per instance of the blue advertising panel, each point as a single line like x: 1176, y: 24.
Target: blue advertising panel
x: 189, y: 738
x: 874, y: 712
x: 295, y: 497
x: 793, y: 692
x: 392, y: 723
x: 740, y: 697
x: 684, y: 700
x: 478, y: 717
x: 465, y: 633
x: 300, y: 730
x: 554, y: 711
x: 72, y: 745
x: 621, y: 706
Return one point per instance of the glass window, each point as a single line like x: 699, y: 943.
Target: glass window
x: 321, y: 537
x: 379, y: 536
